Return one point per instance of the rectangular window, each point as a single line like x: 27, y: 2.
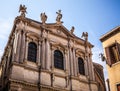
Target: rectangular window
x: 118, y: 87
x: 113, y: 53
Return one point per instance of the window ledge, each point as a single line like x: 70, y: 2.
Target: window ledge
x: 116, y: 63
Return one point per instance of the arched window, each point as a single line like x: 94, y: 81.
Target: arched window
x: 32, y: 52
x: 81, y: 66
x: 58, y: 59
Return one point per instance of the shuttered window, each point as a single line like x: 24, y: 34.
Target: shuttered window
x: 81, y: 66
x: 32, y: 52
x: 58, y: 59
x: 113, y: 53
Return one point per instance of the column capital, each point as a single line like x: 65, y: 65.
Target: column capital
x: 39, y: 42
x: 27, y: 39
x: 66, y: 51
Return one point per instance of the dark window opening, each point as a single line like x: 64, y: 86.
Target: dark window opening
x: 113, y: 53
x: 81, y: 66
x: 32, y: 52
x: 118, y: 87
x: 58, y: 60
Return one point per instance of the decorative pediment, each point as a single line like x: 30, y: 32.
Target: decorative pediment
x: 80, y: 52
x: 56, y: 45
x: 58, y: 30
x: 32, y: 35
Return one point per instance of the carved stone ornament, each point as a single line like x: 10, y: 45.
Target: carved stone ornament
x: 72, y: 30
x: 22, y: 10
x: 43, y: 17
x: 59, y: 17
x: 70, y: 43
x: 44, y: 34
x: 85, y: 35
x: 58, y: 31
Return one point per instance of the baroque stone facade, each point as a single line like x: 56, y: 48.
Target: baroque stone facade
x: 42, y: 56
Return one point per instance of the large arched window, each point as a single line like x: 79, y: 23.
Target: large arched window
x: 58, y: 59
x: 81, y: 66
x: 32, y: 52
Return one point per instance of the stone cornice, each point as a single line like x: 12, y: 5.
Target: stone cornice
x: 110, y: 34
x: 23, y: 83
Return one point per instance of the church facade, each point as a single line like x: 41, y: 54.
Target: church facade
x: 42, y: 56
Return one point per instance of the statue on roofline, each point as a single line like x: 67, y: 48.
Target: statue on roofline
x: 59, y: 16
x: 72, y: 30
x: 43, y: 17
x: 85, y: 35
x: 22, y: 10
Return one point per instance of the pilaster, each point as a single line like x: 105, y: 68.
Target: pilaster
x: 43, y: 54
x: 47, y: 58
x: 22, y: 50
x: 18, y: 46
x: 26, y: 49
x: 39, y: 54
x: 52, y: 58
x: 66, y: 60
x: 71, y: 61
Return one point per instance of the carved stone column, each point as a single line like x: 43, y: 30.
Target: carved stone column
x: 74, y: 62
x: 39, y: 54
x: 7, y: 64
x: 91, y: 67
x: 26, y: 49
x: 52, y: 58
x: 47, y: 57
x: 86, y: 67
x: 22, y: 50
x: 15, y: 41
x: 71, y: 60
x: 66, y: 61
x: 11, y: 52
x: 77, y: 65
x: 18, y: 46
x: 43, y: 54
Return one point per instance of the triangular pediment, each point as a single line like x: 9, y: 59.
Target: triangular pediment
x: 59, y: 30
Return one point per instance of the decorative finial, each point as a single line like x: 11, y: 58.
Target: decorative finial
x: 72, y: 30
x: 59, y: 16
x: 85, y: 35
x: 22, y: 10
x: 43, y: 17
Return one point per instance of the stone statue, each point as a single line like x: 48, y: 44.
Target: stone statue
x: 43, y: 17
x: 59, y: 16
x: 85, y: 35
x: 22, y: 9
x: 72, y: 30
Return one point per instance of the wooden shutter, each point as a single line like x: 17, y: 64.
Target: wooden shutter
x: 118, y: 49
x: 108, y: 58
x: 118, y: 87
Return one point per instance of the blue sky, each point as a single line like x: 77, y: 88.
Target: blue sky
x: 93, y: 16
